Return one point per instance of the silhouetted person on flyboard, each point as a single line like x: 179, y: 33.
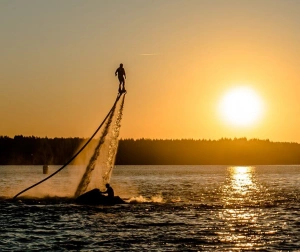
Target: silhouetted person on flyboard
x: 109, y: 191
x: 121, y: 76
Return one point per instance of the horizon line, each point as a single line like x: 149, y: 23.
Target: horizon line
x: 164, y: 139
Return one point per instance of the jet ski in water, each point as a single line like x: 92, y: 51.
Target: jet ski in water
x: 96, y: 197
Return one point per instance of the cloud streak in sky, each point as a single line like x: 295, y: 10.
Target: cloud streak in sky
x: 149, y: 54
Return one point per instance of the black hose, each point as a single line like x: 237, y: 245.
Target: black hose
x: 81, y: 149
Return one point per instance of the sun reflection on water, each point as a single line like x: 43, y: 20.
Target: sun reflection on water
x: 241, y: 185
x: 242, y: 179
x: 239, y: 193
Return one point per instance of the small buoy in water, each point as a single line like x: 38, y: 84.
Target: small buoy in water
x: 45, y: 169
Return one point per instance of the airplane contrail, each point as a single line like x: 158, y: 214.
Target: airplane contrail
x: 148, y: 54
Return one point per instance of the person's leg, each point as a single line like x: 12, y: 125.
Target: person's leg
x: 124, y: 85
x: 120, y: 85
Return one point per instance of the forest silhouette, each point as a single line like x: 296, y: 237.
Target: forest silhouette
x: 22, y: 150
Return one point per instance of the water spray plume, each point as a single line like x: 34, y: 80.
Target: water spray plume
x: 99, y: 169
x: 78, y: 152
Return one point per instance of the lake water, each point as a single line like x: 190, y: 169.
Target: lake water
x: 171, y: 208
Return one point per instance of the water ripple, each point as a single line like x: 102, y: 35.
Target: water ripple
x: 230, y: 209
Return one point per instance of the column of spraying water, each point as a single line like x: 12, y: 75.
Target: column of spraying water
x: 75, y: 155
x: 113, y: 145
x: 106, y: 160
x: 99, y: 169
x: 83, y: 185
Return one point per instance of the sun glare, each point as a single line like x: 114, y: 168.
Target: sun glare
x: 241, y: 106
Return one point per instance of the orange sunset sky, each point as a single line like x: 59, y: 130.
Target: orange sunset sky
x: 182, y: 58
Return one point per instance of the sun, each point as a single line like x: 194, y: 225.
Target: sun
x: 241, y: 106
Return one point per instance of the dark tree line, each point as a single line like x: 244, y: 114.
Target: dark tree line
x: 32, y: 150
x: 207, y: 152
